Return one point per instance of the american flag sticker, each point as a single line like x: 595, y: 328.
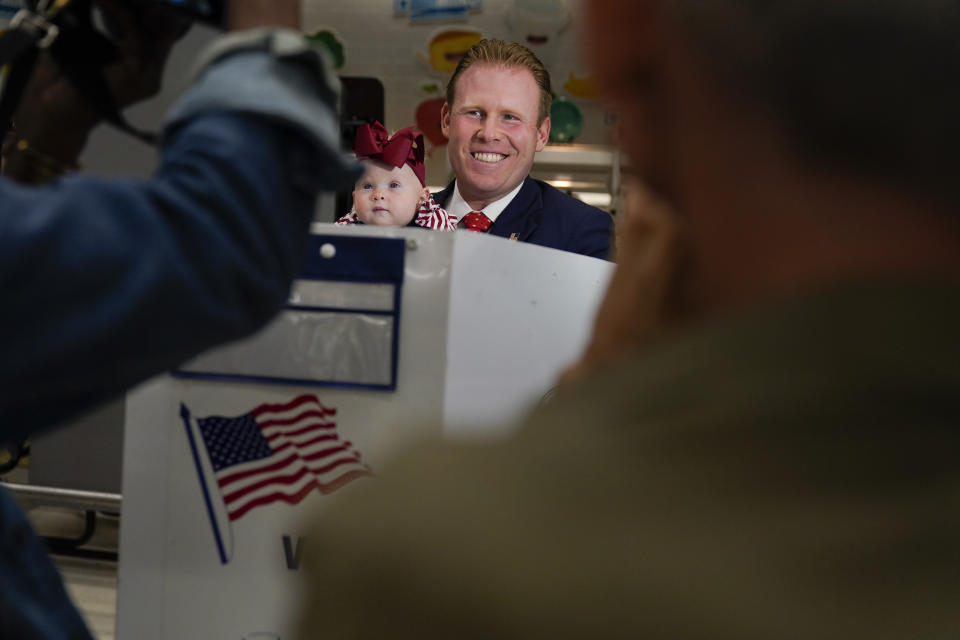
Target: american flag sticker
x: 274, y: 453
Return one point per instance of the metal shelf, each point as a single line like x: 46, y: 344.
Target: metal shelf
x: 58, y: 497
x: 577, y: 155
x: 591, y: 172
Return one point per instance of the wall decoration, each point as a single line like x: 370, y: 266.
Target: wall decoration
x: 446, y: 47
x: 436, y: 10
x: 538, y: 25
x: 427, y: 119
x: 329, y: 40
x: 566, y: 120
x: 581, y: 86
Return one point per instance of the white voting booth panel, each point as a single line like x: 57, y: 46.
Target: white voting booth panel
x: 391, y: 335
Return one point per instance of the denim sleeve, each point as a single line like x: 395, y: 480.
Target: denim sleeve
x: 108, y: 282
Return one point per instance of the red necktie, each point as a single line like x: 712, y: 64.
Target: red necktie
x: 477, y: 221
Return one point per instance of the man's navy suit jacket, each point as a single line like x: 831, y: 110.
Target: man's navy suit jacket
x: 541, y: 214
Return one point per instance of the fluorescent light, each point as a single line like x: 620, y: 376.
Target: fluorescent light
x: 594, y: 199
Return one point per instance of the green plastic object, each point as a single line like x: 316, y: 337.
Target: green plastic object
x: 566, y: 120
x: 329, y: 41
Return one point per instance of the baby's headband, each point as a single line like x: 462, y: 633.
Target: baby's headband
x: 405, y: 147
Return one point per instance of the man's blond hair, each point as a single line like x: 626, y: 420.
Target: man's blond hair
x: 506, y: 54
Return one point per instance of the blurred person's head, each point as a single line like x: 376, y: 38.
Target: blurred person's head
x: 800, y: 141
x: 496, y: 117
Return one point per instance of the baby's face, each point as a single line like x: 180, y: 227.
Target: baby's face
x: 387, y: 195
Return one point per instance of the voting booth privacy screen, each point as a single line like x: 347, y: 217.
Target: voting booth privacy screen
x: 390, y: 336
x: 340, y: 326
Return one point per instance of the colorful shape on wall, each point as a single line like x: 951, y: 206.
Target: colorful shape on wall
x: 427, y: 119
x: 566, y: 120
x: 447, y: 47
x: 537, y: 23
x: 582, y: 87
x: 436, y: 10
x: 329, y: 40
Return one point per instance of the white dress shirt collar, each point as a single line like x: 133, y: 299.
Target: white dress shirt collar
x: 458, y: 207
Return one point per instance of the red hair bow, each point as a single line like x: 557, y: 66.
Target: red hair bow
x: 405, y: 147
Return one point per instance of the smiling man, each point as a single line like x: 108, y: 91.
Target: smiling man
x: 497, y: 117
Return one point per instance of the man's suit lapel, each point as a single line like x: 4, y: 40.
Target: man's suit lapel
x: 522, y: 215
x: 441, y: 197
